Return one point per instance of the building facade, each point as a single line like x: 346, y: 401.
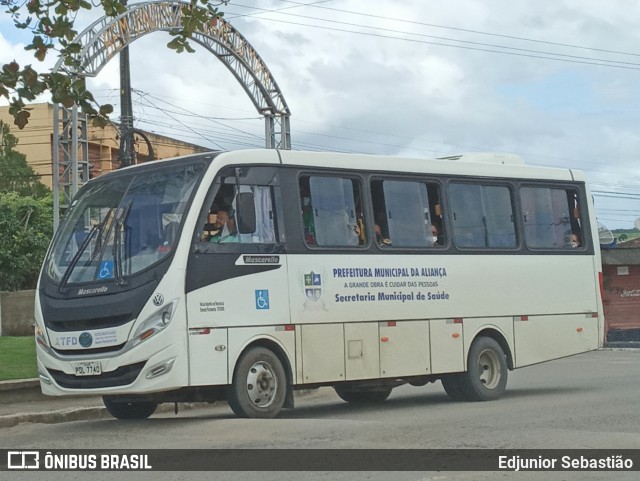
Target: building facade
x: 621, y: 295
x: 36, y: 142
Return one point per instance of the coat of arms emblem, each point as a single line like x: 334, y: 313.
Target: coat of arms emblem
x: 312, y: 286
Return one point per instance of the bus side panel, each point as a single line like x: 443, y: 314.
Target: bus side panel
x: 242, y: 298
x: 446, y: 346
x: 540, y: 338
x: 361, y: 350
x: 404, y: 348
x: 322, y: 352
x: 208, y: 357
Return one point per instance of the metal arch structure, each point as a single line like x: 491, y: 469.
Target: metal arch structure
x: 107, y: 36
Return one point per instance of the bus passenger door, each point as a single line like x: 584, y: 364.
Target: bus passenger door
x: 237, y: 270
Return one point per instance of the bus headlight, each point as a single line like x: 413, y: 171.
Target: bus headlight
x: 154, y: 324
x: 41, y: 339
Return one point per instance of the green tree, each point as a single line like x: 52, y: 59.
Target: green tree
x: 52, y: 24
x: 16, y: 175
x: 26, y: 217
x: 26, y: 226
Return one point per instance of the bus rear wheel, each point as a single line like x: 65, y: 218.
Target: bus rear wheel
x: 486, y: 376
x: 363, y: 396
x: 259, y: 385
x: 453, y: 387
x: 129, y: 410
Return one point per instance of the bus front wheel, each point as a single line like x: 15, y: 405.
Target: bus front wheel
x: 129, y: 410
x: 486, y: 376
x: 259, y: 385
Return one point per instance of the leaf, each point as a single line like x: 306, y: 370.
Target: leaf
x: 106, y: 109
x: 21, y: 119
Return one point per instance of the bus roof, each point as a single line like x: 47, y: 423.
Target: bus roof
x: 493, y: 165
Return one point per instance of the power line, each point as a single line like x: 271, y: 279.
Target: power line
x: 350, y: 24
x: 479, y: 32
x: 489, y: 50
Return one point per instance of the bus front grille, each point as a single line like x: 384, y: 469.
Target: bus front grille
x: 89, y: 324
x: 122, y: 376
x: 80, y: 352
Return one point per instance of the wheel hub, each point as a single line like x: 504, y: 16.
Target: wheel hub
x: 262, y: 384
x: 489, y: 369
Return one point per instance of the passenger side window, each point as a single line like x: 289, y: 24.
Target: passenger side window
x: 407, y: 214
x: 331, y: 209
x: 482, y: 216
x: 221, y: 224
x: 551, y: 218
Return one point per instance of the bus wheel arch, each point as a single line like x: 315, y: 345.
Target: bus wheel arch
x: 261, y: 384
x: 501, y: 340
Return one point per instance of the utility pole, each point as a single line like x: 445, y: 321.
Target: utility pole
x: 126, y: 109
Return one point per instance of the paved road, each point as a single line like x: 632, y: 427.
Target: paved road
x: 586, y: 401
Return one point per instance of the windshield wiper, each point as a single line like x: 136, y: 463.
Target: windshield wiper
x: 117, y: 241
x: 76, y: 258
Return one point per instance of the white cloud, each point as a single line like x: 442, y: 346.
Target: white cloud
x: 407, y: 94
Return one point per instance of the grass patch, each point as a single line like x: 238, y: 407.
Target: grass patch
x: 18, y: 358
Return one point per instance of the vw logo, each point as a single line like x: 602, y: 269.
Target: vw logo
x: 158, y: 299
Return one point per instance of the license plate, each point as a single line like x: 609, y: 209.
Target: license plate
x: 91, y: 368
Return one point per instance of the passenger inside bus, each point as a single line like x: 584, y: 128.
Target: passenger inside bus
x: 307, y: 215
x: 575, y: 240
x: 213, y: 226
x: 435, y: 235
x: 381, y: 239
x: 228, y: 232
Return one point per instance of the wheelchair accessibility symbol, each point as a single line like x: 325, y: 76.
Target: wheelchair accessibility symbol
x: 106, y: 270
x: 262, y: 299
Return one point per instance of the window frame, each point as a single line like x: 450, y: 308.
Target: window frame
x: 584, y: 219
x: 199, y: 246
x: 513, y: 188
x: 341, y: 174
x: 420, y: 179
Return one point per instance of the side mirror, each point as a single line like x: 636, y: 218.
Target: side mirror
x: 245, y: 213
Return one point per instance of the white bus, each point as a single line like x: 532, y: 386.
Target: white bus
x: 248, y: 275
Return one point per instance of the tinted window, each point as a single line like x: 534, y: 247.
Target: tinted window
x: 331, y: 211
x: 551, y: 218
x: 482, y: 216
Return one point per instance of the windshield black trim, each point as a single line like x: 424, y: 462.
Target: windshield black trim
x: 79, y: 289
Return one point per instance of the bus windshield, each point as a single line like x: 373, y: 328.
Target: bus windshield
x: 121, y: 225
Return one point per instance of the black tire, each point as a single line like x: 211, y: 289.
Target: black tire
x: 259, y: 385
x: 365, y: 396
x: 453, y: 387
x: 486, y: 376
x: 129, y: 410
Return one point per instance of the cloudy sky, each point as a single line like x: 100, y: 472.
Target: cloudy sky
x: 555, y: 81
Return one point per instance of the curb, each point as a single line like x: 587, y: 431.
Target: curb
x: 53, y: 417
x: 19, y: 384
x: 84, y: 414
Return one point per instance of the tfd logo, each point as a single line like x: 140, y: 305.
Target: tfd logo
x: 23, y: 459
